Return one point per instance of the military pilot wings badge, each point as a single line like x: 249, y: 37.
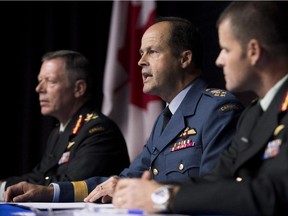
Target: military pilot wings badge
x: 184, y: 143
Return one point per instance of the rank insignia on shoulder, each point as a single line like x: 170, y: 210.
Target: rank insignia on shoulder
x: 228, y: 107
x: 182, y: 145
x: 284, y: 105
x: 96, y: 129
x: 217, y: 92
x: 90, y: 116
x: 272, y: 149
x: 188, y: 131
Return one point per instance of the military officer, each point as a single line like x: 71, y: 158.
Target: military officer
x: 251, y: 177
x: 85, y: 143
x: 202, y: 123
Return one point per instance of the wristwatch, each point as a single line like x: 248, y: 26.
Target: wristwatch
x: 161, y: 197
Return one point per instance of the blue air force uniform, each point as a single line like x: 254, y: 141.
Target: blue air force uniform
x: 200, y: 129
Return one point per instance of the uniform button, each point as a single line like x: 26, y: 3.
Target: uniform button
x: 238, y: 179
x: 47, y: 178
x: 181, y: 166
x: 155, y: 171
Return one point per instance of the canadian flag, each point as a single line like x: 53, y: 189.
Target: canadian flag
x: 123, y: 98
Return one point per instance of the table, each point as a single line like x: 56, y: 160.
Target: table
x: 66, y: 209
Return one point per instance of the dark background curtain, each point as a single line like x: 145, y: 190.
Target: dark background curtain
x: 30, y: 29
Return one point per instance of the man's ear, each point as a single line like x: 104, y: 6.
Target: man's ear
x: 80, y: 88
x: 253, y: 51
x: 186, y: 58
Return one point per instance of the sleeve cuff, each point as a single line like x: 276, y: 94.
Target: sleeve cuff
x: 2, y: 190
x: 56, y: 192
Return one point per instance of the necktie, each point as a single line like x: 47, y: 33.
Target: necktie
x: 257, y: 111
x: 251, y: 120
x: 166, y: 117
x: 254, y: 116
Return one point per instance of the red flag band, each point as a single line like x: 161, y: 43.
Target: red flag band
x: 124, y: 100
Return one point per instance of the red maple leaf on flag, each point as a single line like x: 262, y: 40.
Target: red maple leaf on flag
x: 124, y: 100
x: 129, y: 55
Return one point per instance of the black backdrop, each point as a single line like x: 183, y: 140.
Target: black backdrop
x: 29, y: 29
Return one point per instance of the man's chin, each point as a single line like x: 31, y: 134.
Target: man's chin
x: 45, y: 112
x: 148, y: 89
x: 145, y: 91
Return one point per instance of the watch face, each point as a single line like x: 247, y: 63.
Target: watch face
x: 160, y: 196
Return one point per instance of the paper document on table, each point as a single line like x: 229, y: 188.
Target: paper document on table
x: 51, y: 205
x: 76, y: 209
x: 105, y: 210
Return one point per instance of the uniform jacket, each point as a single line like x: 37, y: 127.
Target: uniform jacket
x: 90, y: 145
x: 199, y: 130
x: 252, y: 175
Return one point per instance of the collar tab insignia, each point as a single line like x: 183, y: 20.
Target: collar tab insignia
x: 78, y: 124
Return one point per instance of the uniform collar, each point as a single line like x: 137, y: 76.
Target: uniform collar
x: 267, y: 99
x: 175, y: 103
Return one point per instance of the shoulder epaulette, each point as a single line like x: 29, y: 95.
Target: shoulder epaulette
x: 90, y: 116
x: 230, y: 106
x: 96, y: 130
x: 216, y: 92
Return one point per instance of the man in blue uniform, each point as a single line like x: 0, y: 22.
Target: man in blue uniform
x: 251, y: 177
x: 202, y: 119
